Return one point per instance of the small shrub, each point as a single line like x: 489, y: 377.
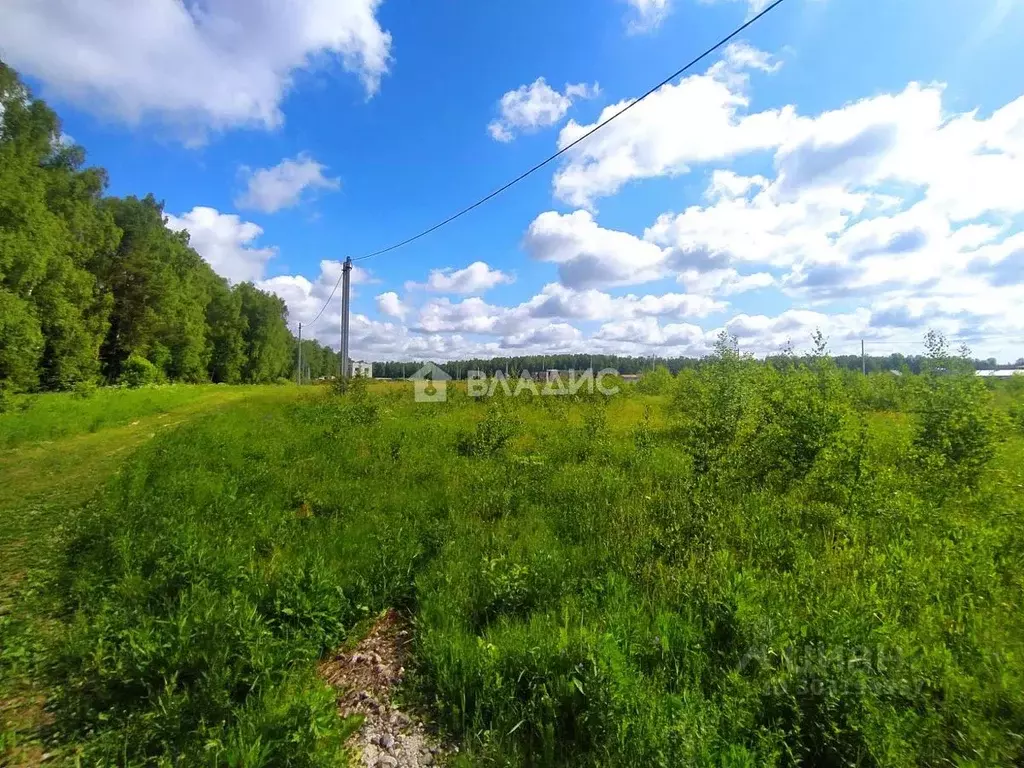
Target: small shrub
x: 490, y: 435
x: 656, y: 382
x: 1017, y: 416
x: 84, y: 389
x: 709, y: 403
x: 138, y: 372
x: 956, y: 431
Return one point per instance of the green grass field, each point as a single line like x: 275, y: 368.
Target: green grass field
x: 58, y: 451
x: 746, y: 567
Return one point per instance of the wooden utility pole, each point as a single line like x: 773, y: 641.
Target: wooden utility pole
x: 298, y: 368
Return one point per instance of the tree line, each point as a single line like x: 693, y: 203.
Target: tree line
x: 637, y: 365
x: 96, y: 289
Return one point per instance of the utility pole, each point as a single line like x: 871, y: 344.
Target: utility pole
x: 863, y: 359
x: 345, y: 281
x: 298, y: 368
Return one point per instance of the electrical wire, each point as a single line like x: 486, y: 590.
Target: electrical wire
x: 682, y: 70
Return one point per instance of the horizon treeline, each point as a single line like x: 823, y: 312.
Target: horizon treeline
x: 636, y: 365
x: 95, y: 288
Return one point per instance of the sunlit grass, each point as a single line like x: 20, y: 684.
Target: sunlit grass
x: 581, y: 593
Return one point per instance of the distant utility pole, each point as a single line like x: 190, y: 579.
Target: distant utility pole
x: 863, y: 359
x: 345, y: 283
x: 298, y: 368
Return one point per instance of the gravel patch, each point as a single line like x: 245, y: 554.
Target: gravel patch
x: 365, y: 677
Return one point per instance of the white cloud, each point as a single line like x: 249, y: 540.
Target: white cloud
x: 724, y: 282
x: 225, y: 242
x: 305, y: 298
x: 472, y: 315
x: 553, y: 337
x: 534, y: 106
x: 965, y: 165
x: 700, y: 119
x: 588, y: 255
x: 554, y: 305
x: 695, y: 253
x: 271, y: 189
x: 389, y: 304
x: 664, y: 325
x: 647, y: 14
x: 476, y: 278
x: 217, y: 64
x: 557, y: 301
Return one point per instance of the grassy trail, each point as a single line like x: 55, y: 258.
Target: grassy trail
x: 41, y: 484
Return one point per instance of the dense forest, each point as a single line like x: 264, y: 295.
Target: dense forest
x: 96, y: 289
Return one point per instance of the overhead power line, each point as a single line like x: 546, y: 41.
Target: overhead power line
x: 682, y: 70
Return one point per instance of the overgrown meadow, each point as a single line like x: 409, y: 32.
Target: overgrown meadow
x: 742, y: 565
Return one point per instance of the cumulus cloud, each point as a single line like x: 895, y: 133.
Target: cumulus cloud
x: 216, y: 64
x: 723, y: 282
x: 695, y: 253
x: 556, y: 337
x: 476, y: 278
x: 647, y: 15
x: 588, y: 255
x: 225, y: 242
x: 389, y: 304
x: 557, y: 301
x: 305, y: 297
x: 700, y: 119
x: 891, y: 202
x: 535, y: 106
x: 271, y: 189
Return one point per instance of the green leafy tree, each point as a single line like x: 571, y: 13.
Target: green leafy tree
x: 21, y: 343
x: 226, y: 329
x: 656, y: 382
x: 268, y: 342
x: 51, y: 235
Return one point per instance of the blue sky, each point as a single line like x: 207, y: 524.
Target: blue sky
x: 797, y: 180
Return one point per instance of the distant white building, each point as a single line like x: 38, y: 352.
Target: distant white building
x: 1003, y: 373
x: 360, y: 368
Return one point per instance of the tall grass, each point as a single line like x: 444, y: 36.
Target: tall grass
x: 52, y: 415
x: 759, y: 570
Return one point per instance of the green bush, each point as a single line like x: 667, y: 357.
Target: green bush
x: 490, y: 435
x: 138, y: 371
x: 85, y: 389
x: 956, y: 431
x: 656, y: 382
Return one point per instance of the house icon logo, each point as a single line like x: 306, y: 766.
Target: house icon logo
x: 430, y: 384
